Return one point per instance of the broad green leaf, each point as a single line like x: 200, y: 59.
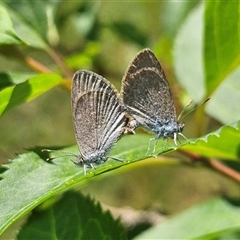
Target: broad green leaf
x: 188, y: 56
x: 11, y: 78
x: 31, y: 176
x: 188, y: 64
x: 221, y: 43
x: 7, y: 32
x: 39, y: 21
x: 26, y: 31
x: 178, y: 9
x: 223, y: 143
x: 83, y: 220
x: 221, y: 109
x: 37, y: 180
x: 27, y: 91
x: 211, y: 218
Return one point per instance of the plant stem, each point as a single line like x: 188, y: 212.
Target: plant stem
x: 214, y: 164
x: 220, y: 167
x: 60, y: 62
x: 36, y: 65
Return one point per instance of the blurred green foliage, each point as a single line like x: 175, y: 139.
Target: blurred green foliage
x: 42, y: 43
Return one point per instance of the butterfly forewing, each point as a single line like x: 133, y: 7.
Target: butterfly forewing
x: 146, y: 92
x: 85, y: 81
x: 114, y: 118
x: 98, y: 113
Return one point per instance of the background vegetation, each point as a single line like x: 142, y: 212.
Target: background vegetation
x: 190, y: 191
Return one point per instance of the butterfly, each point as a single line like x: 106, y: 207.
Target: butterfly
x: 99, y: 118
x: 148, y: 99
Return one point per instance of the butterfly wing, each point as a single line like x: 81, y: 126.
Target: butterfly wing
x: 98, y: 113
x: 85, y: 81
x: 146, y: 92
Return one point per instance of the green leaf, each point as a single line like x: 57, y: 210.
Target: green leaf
x: 221, y: 109
x: 7, y: 32
x: 223, y: 143
x: 83, y: 220
x: 178, y: 9
x: 31, y: 176
x: 38, y: 24
x: 212, y: 218
x: 24, y: 92
x: 221, y: 43
x: 189, y: 68
x: 188, y: 55
x: 25, y: 30
x: 38, y: 180
x: 12, y: 78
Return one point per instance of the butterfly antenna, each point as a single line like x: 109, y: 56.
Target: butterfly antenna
x: 180, y: 116
x: 64, y: 152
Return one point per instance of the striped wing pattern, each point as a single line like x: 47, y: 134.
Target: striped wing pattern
x: 98, y: 115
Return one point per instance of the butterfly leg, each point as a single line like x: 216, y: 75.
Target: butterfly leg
x: 149, y: 145
x: 175, y: 139
x: 165, y: 145
x: 117, y: 159
x: 155, y: 145
x: 85, y: 166
x: 184, y: 137
x: 84, y: 169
